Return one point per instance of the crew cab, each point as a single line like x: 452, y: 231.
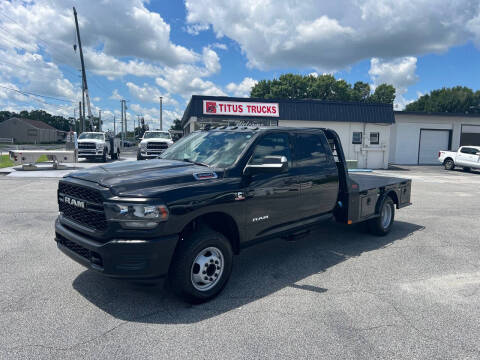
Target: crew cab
x: 98, y: 145
x: 467, y: 157
x: 210, y: 195
x: 153, y: 144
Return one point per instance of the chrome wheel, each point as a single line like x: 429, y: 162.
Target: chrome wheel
x: 207, y: 269
x: 386, y: 215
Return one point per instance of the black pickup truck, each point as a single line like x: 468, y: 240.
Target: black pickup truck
x: 211, y: 194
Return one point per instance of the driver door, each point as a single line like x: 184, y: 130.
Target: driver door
x: 272, y: 197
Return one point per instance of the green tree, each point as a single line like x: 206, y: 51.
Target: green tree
x: 177, y: 125
x: 458, y: 99
x: 361, y: 91
x: 384, y: 94
x: 322, y: 87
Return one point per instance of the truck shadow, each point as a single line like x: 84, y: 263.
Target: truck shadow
x: 258, y: 271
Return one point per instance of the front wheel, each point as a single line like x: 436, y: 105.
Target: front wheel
x: 104, y: 156
x: 381, y: 225
x: 201, y: 266
x: 449, y: 164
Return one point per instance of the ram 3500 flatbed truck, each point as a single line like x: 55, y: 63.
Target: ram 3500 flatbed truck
x: 210, y: 195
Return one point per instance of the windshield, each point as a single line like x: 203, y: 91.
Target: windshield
x: 214, y: 148
x: 160, y: 135
x: 95, y: 136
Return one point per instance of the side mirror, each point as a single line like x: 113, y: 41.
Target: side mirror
x: 269, y: 164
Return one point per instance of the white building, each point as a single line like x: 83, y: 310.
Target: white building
x: 364, y: 128
x: 416, y: 138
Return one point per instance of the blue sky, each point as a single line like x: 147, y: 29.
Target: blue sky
x: 139, y: 50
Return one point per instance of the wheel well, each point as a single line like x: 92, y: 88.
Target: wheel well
x: 218, y: 221
x: 393, y: 195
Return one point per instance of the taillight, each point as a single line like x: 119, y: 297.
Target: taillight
x: 439, y: 153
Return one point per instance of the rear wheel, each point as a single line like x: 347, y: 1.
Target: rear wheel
x: 381, y: 225
x: 449, y: 164
x: 201, y: 266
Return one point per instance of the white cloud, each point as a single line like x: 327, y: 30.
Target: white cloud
x: 398, y: 72
x: 187, y: 80
x: 242, y: 89
x: 149, y: 93
x: 220, y: 46
x: 126, y: 28
x: 34, y: 74
x: 196, y: 28
x: 329, y: 35
x: 152, y: 116
x: 115, y: 95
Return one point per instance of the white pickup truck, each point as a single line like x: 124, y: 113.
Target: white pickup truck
x: 467, y: 157
x: 153, y: 144
x: 98, y: 145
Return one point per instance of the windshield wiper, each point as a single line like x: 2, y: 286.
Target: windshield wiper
x: 196, y: 162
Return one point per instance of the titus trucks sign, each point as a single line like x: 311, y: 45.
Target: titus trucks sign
x: 213, y: 107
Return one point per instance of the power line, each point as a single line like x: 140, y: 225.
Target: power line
x: 34, y: 94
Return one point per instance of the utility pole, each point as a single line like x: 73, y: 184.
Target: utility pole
x: 99, y: 120
x: 122, y: 122
x: 114, y: 127
x: 161, y: 120
x: 84, y: 126
x: 84, y: 75
x: 80, y: 116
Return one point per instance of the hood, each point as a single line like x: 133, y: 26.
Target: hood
x: 128, y: 176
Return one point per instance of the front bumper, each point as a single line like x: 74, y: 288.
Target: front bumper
x: 120, y: 258
x: 151, y: 153
x: 90, y: 153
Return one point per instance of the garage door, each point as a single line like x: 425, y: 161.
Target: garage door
x: 470, y: 135
x: 431, y: 142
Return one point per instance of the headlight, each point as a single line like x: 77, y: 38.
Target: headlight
x: 143, y: 146
x: 99, y: 146
x: 136, y: 216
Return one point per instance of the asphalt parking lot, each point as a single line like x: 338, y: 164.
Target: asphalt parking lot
x: 338, y: 293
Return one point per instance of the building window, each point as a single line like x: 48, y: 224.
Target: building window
x: 374, y: 138
x: 357, y: 137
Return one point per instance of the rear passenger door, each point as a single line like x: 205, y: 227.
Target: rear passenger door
x: 317, y: 174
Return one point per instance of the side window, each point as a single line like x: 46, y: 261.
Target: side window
x: 357, y: 137
x: 374, y: 138
x: 271, y: 145
x: 466, y: 150
x: 309, y: 150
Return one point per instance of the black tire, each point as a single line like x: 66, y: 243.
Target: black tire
x: 185, y: 266
x: 382, y: 224
x: 118, y: 154
x: 104, y: 156
x: 449, y: 164
x: 467, y: 169
x: 139, y: 157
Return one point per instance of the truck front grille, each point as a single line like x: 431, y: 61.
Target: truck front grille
x: 84, y: 145
x: 92, y: 216
x: 157, y: 146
